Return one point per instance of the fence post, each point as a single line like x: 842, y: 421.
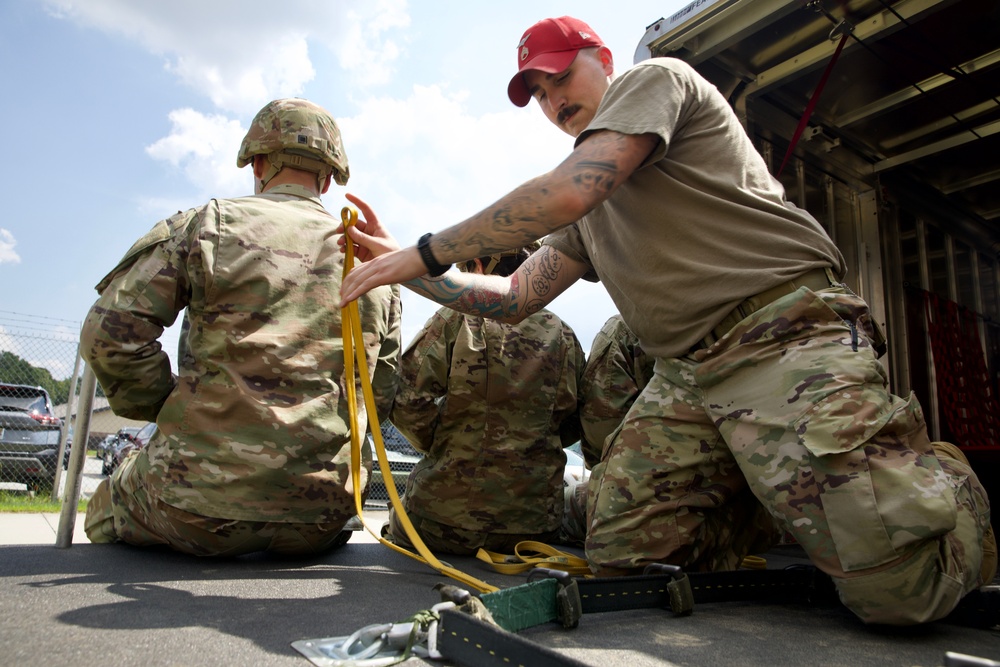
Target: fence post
x: 64, y: 435
x: 77, y: 455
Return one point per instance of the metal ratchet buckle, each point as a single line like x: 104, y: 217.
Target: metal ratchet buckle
x: 376, y: 645
x: 679, y: 589
x: 569, y: 606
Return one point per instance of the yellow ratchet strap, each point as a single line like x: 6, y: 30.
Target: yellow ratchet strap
x: 354, y: 348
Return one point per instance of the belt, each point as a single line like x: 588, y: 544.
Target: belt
x: 815, y: 280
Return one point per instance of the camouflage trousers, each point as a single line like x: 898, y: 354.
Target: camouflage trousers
x: 121, y: 509
x: 443, y: 538
x: 786, y: 422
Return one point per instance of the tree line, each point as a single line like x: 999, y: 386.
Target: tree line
x: 15, y: 370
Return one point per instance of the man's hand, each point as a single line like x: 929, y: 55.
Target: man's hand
x: 383, y: 261
x: 370, y: 238
x: 398, y: 266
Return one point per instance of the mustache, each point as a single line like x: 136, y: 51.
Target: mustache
x: 567, y: 112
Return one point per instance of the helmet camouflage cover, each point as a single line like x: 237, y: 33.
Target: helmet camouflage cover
x: 297, y: 127
x: 490, y: 262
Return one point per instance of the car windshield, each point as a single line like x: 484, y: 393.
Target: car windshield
x: 12, y: 398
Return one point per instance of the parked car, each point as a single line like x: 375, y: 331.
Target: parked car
x: 125, y: 443
x: 401, y: 457
x: 29, y: 437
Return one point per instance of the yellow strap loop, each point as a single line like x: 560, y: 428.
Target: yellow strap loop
x: 354, y: 347
x: 530, y: 554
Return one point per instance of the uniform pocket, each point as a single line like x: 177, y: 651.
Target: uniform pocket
x: 879, y: 484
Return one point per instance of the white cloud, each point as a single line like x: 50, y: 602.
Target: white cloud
x: 243, y: 53
x: 363, y: 50
x: 7, y: 252
x: 428, y: 162
x: 280, y: 68
x: 204, y: 146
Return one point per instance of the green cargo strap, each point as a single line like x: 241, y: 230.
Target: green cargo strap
x: 523, y: 606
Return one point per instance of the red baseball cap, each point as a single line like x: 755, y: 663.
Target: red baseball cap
x: 549, y: 46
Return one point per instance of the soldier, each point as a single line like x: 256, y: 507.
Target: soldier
x: 491, y: 405
x: 252, y: 446
x: 616, y: 373
x: 767, y: 383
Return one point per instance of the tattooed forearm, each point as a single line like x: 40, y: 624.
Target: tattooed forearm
x: 549, y: 202
x: 484, y: 296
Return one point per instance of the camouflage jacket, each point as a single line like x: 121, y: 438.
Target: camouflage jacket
x: 491, y: 405
x: 617, y: 371
x: 255, y: 424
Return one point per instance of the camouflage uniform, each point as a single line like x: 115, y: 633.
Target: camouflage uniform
x: 252, y: 448
x: 617, y: 370
x: 491, y: 405
x: 785, y: 403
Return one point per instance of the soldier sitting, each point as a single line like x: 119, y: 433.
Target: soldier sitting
x: 252, y: 447
x: 491, y: 405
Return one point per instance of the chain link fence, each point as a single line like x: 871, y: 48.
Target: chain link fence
x: 402, y: 458
x: 39, y: 370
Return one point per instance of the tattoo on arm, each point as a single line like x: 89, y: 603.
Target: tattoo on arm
x: 534, y: 306
x: 540, y: 285
x: 525, y: 292
x: 480, y: 297
x: 596, y: 179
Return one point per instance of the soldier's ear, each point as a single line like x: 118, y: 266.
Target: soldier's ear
x: 258, y: 166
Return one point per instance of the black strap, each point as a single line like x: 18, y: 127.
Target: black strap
x: 474, y: 643
x: 797, y: 583
x: 650, y: 590
x: 465, y: 640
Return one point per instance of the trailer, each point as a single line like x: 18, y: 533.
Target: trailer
x: 882, y: 118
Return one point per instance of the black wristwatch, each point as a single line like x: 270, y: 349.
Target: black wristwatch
x: 424, y: 248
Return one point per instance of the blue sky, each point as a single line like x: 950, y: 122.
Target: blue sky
x: 121, y: 112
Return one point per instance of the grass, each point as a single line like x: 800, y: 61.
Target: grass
x: 22, y: 501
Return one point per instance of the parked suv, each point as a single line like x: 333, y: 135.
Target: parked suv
x: 29, y: 437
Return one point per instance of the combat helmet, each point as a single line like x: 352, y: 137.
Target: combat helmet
x: 502, y: 263
x: 294, y: 132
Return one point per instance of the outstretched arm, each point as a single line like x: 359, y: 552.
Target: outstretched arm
x: 542, y: 277
x: 592, y: 172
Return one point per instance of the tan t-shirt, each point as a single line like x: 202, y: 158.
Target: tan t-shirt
x: 701, y: 225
